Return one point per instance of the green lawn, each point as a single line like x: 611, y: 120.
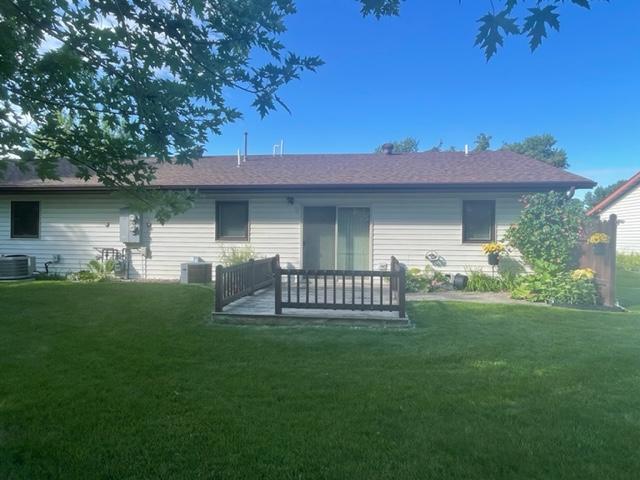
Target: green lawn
x: 133, y: 381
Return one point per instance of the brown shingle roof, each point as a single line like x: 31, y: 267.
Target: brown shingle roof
x: 422, y: 170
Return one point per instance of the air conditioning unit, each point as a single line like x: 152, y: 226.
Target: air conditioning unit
x: 17, y: 267
x: 199, y: 272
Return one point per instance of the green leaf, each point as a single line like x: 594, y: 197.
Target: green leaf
x: 535, y: 24
x: 493, y: 29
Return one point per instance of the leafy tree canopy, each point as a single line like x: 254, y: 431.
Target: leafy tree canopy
x: 591, y: 199
x: 407, y: 145
x: 541, y: 147
x: 483, y: 142
x: 106, y: 83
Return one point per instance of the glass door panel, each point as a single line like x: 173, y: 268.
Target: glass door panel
x: 353, y: 238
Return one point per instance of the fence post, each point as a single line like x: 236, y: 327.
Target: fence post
x: 401, y: 291
x: 252, y: 276
x: 278, y: 289
x: 394, y: 266
x: 219, y: 289
x: 610, y: 297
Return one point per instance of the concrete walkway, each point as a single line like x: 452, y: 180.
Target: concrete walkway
x: 461, y: 296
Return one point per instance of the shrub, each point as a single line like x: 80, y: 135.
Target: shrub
x: 548, y: 231
x: 41, y: 276
x: 628, y: 261
x: 569, y: 288
x: 416, y: 280
x: 481, y: 282
x: 428, y: 279
x: 236, y: 255
x: 103, y: 270
x: 97, y: 271
x: 83, y: 276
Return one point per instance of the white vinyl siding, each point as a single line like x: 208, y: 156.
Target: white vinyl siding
x: 627, y: 208
x: 407, y: 225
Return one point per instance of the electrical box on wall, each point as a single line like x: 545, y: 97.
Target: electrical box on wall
x: 130, y: 226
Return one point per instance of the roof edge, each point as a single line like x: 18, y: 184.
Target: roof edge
x: 615, y: 195
x: 538, y: 186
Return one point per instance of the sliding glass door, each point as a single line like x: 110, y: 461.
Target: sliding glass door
x: 336, y: 237
x: 353, y: 238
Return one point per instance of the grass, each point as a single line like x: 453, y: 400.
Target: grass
x: 132, y: 381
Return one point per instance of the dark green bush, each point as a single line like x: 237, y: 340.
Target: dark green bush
x: 548, y: 231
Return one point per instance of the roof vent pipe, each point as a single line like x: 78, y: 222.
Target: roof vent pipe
x: 387, y: 148
x: 246, y: 143
x: 238, y: 158
x: 466, y: 150
x: 278, y: 148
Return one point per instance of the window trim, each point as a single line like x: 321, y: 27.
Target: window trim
x: 220, y: 238
x: 493, y: 222
x: 11, y: 220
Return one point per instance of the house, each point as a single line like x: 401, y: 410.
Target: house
x: 624, y: 202
x: 351, y: 211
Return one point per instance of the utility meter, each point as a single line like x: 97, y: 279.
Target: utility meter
x: 130, y: 226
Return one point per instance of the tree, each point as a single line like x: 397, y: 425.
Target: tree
x: 407, y: 145
x: 108, y: 84
x: 541, y: 147
x: 530, y: 18
x: 591, y: 199
x: 483, y: 142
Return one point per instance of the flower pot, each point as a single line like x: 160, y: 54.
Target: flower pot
x: 493, y: 259
x: 599, y: 248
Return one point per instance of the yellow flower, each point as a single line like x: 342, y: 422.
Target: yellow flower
x: 493, y: 247
x: 598, y: 237
x: 583, y: 274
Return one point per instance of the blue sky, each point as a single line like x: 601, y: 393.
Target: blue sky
x: 420, y: 75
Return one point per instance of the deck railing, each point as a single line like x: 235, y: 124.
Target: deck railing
x: 342, y: 289
x: 244, y: 279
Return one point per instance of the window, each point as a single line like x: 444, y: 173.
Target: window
x: 232, y: 221
x: 478, y: 221
x: 25, y: 219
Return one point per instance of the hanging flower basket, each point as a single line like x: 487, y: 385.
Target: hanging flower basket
x: 493, y: 251
x: 493, y: 259
x: 599, y: 242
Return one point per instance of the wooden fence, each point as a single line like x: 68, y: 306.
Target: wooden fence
x: 602, y: 259
x: 342, y: 289
x: 244, y: 279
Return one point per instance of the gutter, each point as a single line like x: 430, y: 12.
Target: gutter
x: 500, y: 186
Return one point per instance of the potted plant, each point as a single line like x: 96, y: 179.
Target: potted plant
x: 493, y: 251
x: 598, y: 241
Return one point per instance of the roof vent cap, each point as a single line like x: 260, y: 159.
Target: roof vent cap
x: 387, y: 148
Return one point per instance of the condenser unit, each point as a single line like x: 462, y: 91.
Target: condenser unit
x: 199, y: 272
x: 17, y: 267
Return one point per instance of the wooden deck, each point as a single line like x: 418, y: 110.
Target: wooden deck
x: 259, y: 308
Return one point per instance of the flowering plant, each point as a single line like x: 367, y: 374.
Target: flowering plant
x: 583, y: 274
x: 598, y: 238
x: 493, y: 247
